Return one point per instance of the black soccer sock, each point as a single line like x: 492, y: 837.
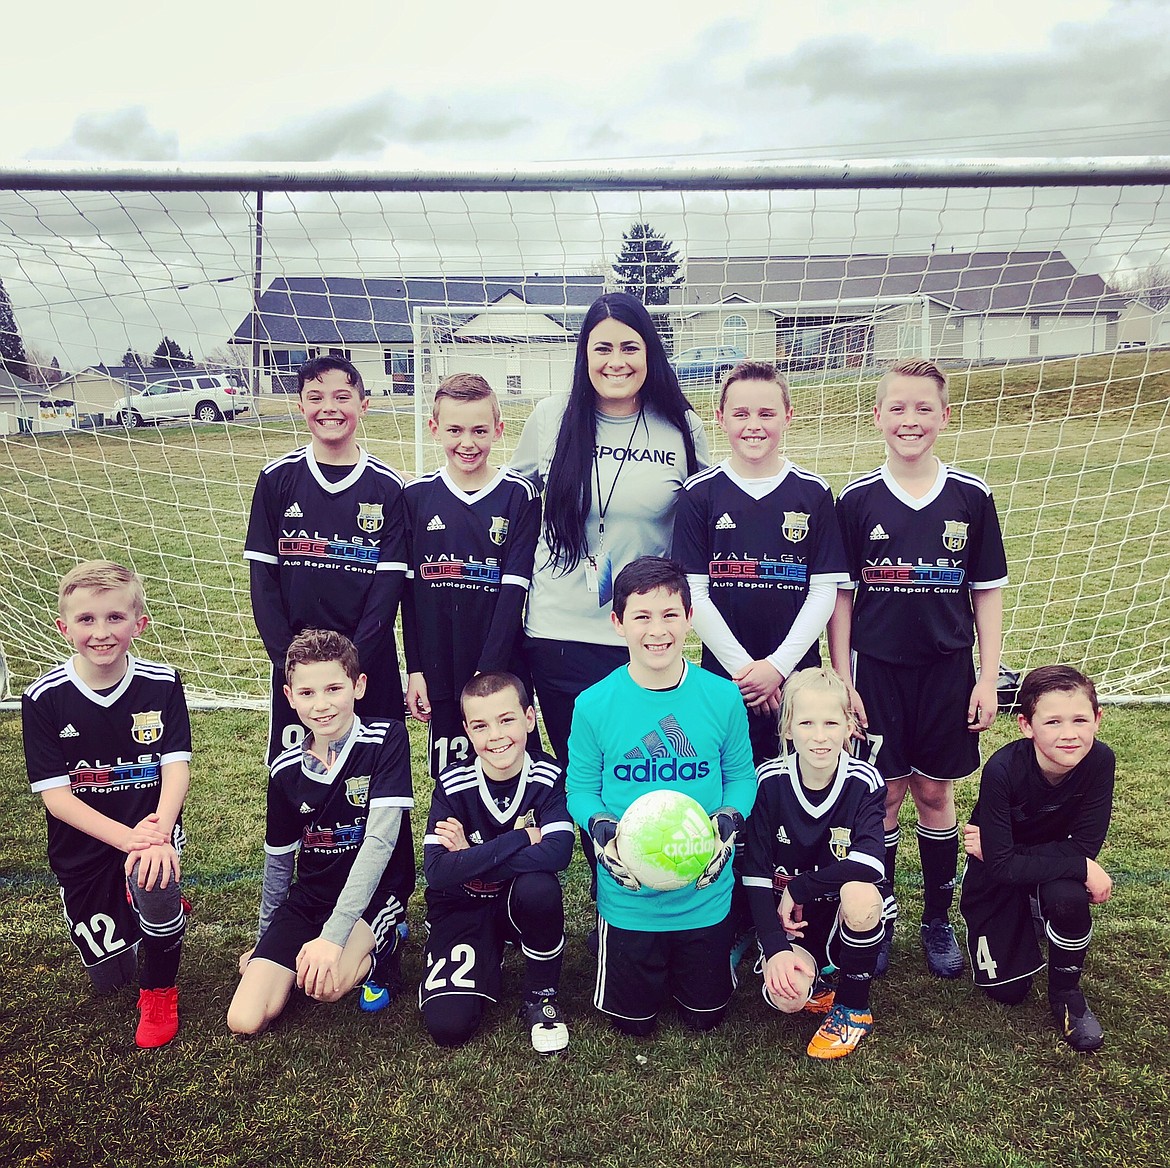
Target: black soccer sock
x: 542, y: 975
x: 1068, y: 926
x: 859, y: 953
x: 386, y: 963
x: 160, y: 964
x: 939, y: 851
x: 892, y: 839
x: 163, y: 923
x: 536, y: 910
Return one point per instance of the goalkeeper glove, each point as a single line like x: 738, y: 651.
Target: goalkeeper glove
x: 728, y: 823
x: 602, y: 829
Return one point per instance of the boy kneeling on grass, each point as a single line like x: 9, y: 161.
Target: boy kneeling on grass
x: 498, y: 834
x: 654, y: 946
x: 1043, y: 810
x: 341, y: 799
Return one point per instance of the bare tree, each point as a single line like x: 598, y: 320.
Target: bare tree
x: 42, y: 369
x: 1150, y: 285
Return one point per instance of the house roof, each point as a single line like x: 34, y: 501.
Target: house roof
x: 966, y: 282
x: 334, y: 310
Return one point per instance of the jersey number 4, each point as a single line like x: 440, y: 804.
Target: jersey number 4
x: 460, y: 964
x: 983, y: 959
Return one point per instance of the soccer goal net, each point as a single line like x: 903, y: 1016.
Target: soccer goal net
x: 151, y: 325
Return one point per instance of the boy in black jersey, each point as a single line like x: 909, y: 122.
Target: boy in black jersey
x: 326, y: 545
x: 471, y: 537
x: 107, y: 741
x: 927, y: 569
x: 497, y: 836
x: 338, y: 808
x: 1035, y: 833
x: 812, y: 864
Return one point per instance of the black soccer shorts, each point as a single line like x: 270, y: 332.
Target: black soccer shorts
x: 638, y: 971
x: 918, y: 716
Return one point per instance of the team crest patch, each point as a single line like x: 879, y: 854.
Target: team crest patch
x: 369, y: 517
x: 839, y: 840
x: 148, y: 727
x: 795, y: 526
x: 498, y: 532
x: 357, y: 790
x: 954, y: 535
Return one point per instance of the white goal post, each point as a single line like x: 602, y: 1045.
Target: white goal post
x: 1037, y: 284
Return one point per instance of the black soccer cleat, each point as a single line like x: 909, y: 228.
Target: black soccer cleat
x: 943, y: 958
x: 1078, y: 1024
x: 546, y: 1024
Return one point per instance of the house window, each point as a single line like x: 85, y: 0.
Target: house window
x: 284, y: 360
x: 399, y: 367
x: 735, y: 332
x: 342, y: 353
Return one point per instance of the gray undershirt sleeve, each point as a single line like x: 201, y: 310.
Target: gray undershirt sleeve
x: 278, y: 874
x: 382, y: 827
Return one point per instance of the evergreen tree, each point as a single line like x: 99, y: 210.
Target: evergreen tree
x: 130, y: 358
x: 647, y: 266
x: 12, y: 355
x: 168, y: 355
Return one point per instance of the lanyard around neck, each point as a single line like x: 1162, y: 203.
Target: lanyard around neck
x: 602, y: 508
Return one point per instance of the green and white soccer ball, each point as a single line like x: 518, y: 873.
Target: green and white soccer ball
x: 665, y: 838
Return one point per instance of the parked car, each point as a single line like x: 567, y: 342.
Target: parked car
x: 201, y: 397
x: 707, y: 364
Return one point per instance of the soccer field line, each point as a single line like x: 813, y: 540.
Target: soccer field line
x: 194, y: 880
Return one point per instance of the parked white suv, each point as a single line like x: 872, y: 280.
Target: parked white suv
x: 203, y: 397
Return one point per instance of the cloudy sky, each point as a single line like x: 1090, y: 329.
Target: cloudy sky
x: 452, y: 83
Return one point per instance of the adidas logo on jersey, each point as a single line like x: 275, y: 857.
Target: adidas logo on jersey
x: 305, y: 809
x: 475, y: 838
x: 782, y: 835
x: 294, y: 512
x: 436, y: 524
x: 70, y: 731
x: 879, y: 532
x: 724, y: 523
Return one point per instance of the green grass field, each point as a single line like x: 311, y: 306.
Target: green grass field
x: 1079, y: 455
x: 948, y: 1079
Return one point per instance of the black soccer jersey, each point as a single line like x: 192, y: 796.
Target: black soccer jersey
x: 324, y: 815
x: 109, y: 749
x: 811, y: 842
x: 327, y: 552
x: 1031, y: 831
x: 469, y: 567
x: 498, y: 850
x: 759, y: 554
x: 914, y: 563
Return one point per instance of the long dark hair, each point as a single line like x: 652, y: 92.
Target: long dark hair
x: 569, y: 487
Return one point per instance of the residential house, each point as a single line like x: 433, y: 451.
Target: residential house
x: 482, y: 328
x: 841, y: 311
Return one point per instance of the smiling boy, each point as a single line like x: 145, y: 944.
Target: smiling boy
x: 107, y: 741
x: 660, y: 722
x: 471, y: 538
x: 927, y: 570
x: 326, y: 545
x: 338, y: 809
x: 497, y: 836
x: 1044, y: 806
